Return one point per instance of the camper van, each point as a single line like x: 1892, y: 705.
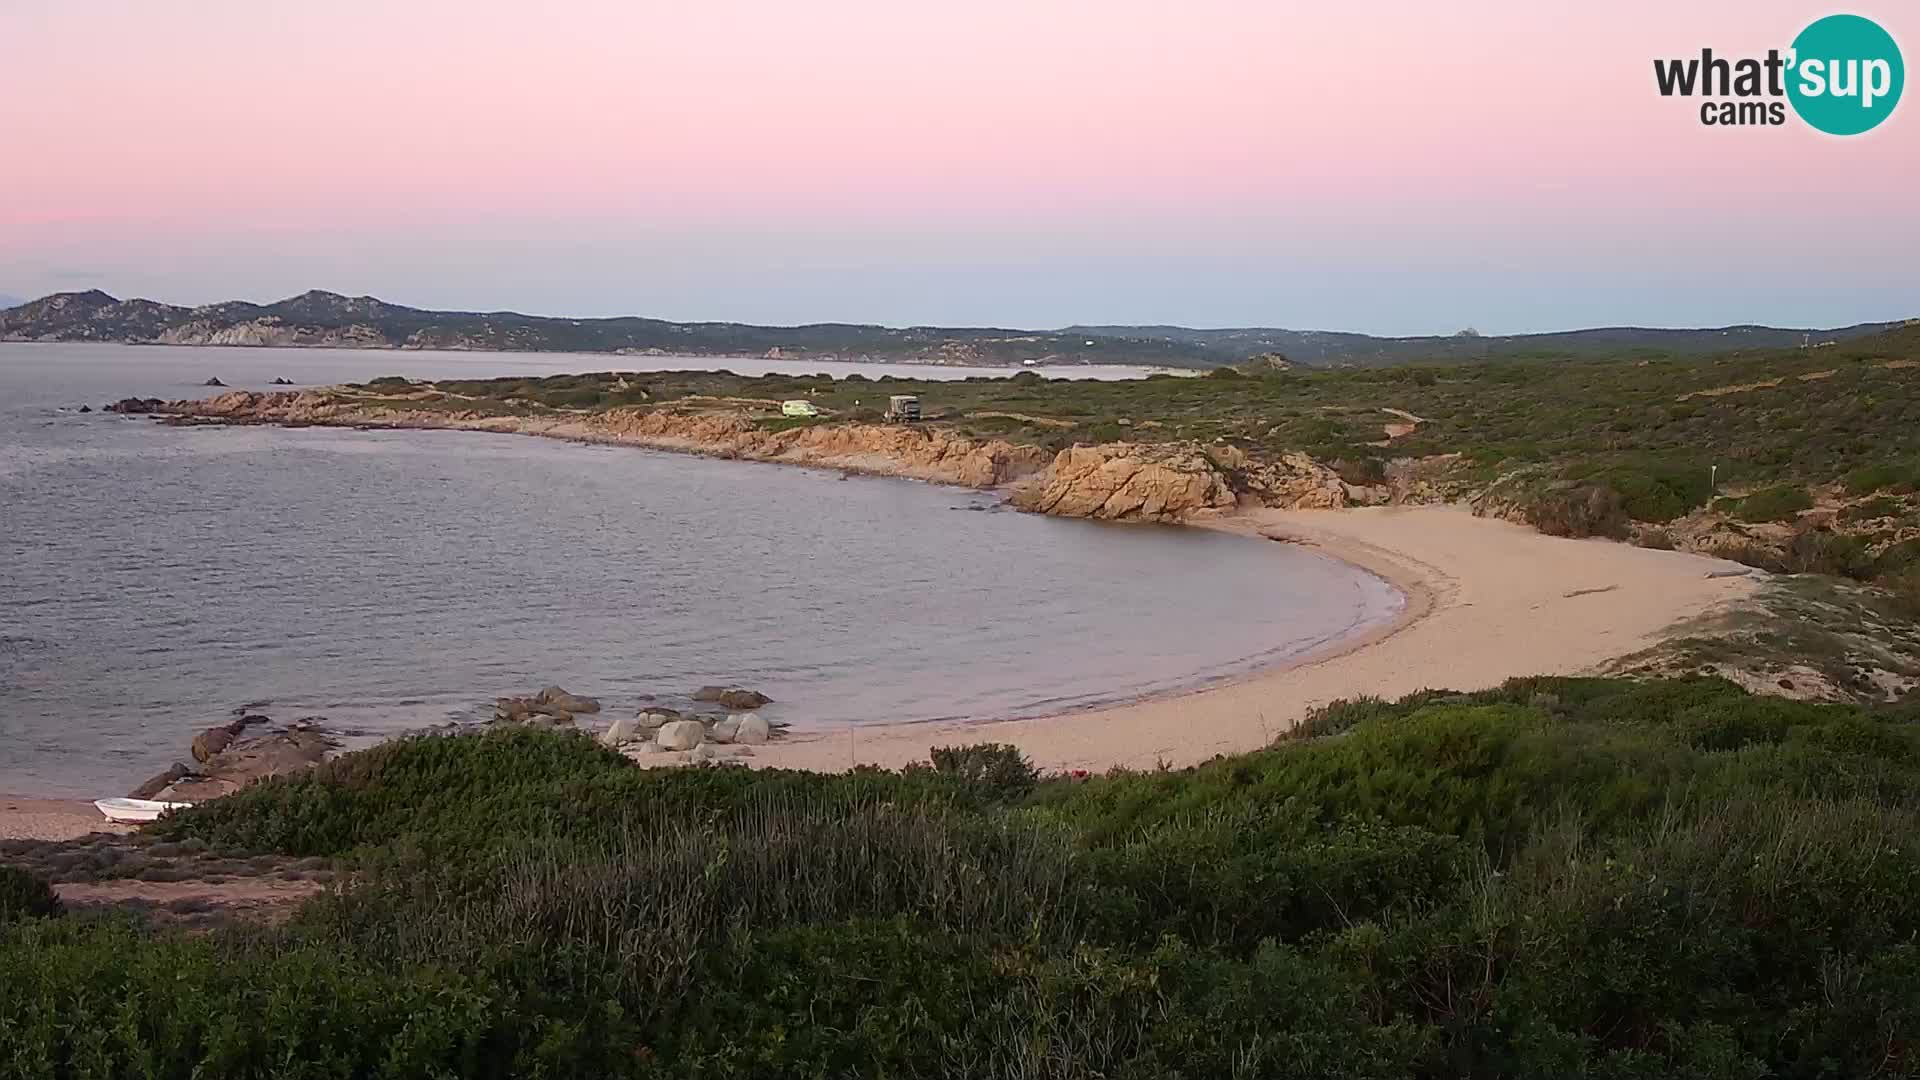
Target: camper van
x: 797, y: 407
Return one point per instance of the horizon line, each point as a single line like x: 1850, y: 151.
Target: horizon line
x: 1464, y: 332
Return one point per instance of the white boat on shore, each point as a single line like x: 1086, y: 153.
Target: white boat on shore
x: 135, y: 811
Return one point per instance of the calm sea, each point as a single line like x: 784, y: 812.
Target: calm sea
x: 153, y: 579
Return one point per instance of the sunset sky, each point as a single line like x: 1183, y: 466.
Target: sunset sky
x: 1388, y: 167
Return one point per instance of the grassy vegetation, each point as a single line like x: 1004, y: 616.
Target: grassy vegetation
x: 25, y: 896
x: 1805, y: 634
x: 1578, y: 447
x: 1560, y: 877
x: 1653, y: 428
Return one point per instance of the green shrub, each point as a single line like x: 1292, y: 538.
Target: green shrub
x: 1903, y: 587
x: 1589, y: 510
x: 1880, y: 476
x: 1556, y: 876
x: 1363, y: 472
x: 25, y: 896
x: 91, y: 999
x: 1657, y: 492
x: 1819, y: 551
x: 1781, y: 503
x: 997, y: 768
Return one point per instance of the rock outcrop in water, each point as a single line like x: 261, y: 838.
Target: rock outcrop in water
x: 226, y: 760
x: 732, y: 697
x: 552, y: 705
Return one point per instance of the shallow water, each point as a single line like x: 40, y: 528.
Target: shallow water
x: 153, y: 579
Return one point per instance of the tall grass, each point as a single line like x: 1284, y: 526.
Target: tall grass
x: 1555, y: 877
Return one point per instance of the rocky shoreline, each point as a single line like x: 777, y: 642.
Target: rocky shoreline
x: 226, y: 758
x: 656, y: 734
x: 721, y: 722
x: 1118, y: 481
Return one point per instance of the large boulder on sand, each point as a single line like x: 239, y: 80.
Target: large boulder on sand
x: 752, y: 730
x: 723, y: 731
x: 626, y: 729
x: 681, y: 735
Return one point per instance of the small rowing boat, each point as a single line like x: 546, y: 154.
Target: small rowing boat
x: 134, y: 811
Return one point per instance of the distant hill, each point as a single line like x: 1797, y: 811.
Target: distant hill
x: 1323, y: 348
x: 330, y: 319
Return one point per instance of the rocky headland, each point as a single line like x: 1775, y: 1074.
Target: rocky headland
x: 1118, y: 481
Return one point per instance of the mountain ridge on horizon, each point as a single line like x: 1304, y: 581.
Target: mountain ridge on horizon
x: 319, y: 318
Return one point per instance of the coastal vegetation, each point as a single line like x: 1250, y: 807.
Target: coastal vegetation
x: 1800, y: 459
x: 1607, y: 877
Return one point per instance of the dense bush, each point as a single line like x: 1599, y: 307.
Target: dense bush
x: 449, y: 795
x: 1656, y: 491
x: 1780, y: 503
x: 1556, y: 877
x: 996, y: 767
x: 1881, y: 476
x: 1586, y: 510
x: 25, y: 896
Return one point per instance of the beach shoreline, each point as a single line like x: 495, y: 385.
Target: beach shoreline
x: 1485, y: 600
x: 1481, y: 579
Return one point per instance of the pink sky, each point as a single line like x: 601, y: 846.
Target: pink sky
x: 1382, y: 166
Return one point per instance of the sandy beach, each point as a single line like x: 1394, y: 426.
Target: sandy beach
x: 1486, y: 600
x: 25, y: 818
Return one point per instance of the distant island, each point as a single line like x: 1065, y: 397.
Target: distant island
x: 330, y: 320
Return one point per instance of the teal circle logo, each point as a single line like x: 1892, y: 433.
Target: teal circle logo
x: 1845, y: 75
